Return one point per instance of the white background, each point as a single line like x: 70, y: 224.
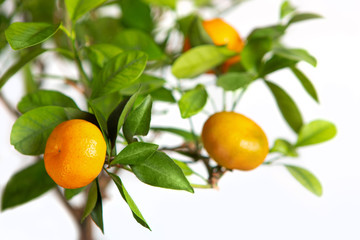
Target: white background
x: 266, y: 203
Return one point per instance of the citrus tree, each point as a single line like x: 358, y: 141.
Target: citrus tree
x: 123, y: 63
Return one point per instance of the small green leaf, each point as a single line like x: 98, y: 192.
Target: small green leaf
x: 306, y: 178
x: 138, y: 121
x: 254, y: 51
x: 163, y: 3
x: 295, y: 54
x: 306, y: 83
x: 199, y: 60
x: 97, y: 212
x: 26, y: 185
x: 31, y: 130
x: 135, y: 153
x: 160, y: 170
x: 101, y: 53
x: 185, y: 23
x: 186, y: 135
x: 30, y: 84
x: 270, y: 32
x: 234, y: 80
x: 134, y: 209
x: 43, y: 98
x: 193, y: 101
x: 148, y: 84
x: 284, y: 147
x: 77, y: 8
x: 136, y: 14
x: 119, y: 72
x: 303, y: 17
x: 163, y: 94
x: 315, y: 132
x: 287, y: 107
x: 26, y: 34
x: 197, y: 33
x: 286, y: 9
x: 133, y: 39
x: 91, y: 201
x: 184, y: 167
x: 19, y: 64
x: 274, y: 64
x: 70, y: 193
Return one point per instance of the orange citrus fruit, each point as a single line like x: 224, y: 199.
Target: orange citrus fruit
x: 74, y: 153
x: 234, y: 141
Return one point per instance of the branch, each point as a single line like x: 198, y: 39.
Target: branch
x: 8, y: 106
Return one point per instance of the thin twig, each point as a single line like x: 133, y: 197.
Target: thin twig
x: 8, y: 106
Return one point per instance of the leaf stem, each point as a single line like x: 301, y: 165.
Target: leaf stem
x: 236, y: 102
x: 207, y: 186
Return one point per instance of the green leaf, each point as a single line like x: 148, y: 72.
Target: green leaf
x: 119, y: 72
x: 91, y: 200
x: 284, y: 147
x: 254, y: 51
x: 19, y: 64
x: 315, y: 132
x: 303, y: 17
x: 184, y: 167
x: 199, y: 60
x: 31, y: 130
x: 138, y: 121
x: 125, y: 195
x: 197, y: 33
x: 234, y: 80
x: 70, y: 193
x: 22, y: 35
x: 118, y: 116
x: 26, y: 185
x: 295, y: 54
x: 193, y: 101
x: 274, y: 64
x: 306, y: 83
x: 160, y: 170
x: 136, y: 14
x: 100, y: 118
x: 185, y: 23
x: 306, y: 178
x: 163, y: 94
x: 148, y: 84
x: 135, y: 153
x: 270, y: 32
x: 133, y: 39
x: 97, y: 212
x: 30, y: 84
x: 99, y: 54
x: 186, y: 135
x: 286, y: 9
x: 287, y: 107
x: 163, y: 3
x: 77, y: 8
x: 43, y: 98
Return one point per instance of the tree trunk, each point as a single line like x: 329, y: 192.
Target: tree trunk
x: 86, y: 230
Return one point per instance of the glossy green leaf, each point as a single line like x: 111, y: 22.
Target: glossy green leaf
x: 306, y: 178
x: 26, y: 185
x: 274, y: 64
x: 31, y: 130
x: 234, y: 80
x: 70, y: 193
x: 136, y: 14
x: 133, y: 39
x: 135, y: 153
x: 199, y: 60
x: 185, y: 23
x: 286, y: 9
x: 160, y: 170
x: 295, y: 54
x: 138, y: 121
x: 287, y: 107
x: 30, y: 84
x: 163, y: 94
x: 284, y: 147
x: 101, y: 53
x: 184, y: 167
x: 303, y: 17
x: 119, y: 72
x: 26, y: 34
x: 148, y: 84
x: 19, y: 64
x: 97, y: 212
x: 315, y: 132
x: 186, y: 135
x: 197, y: 33
x: 125, y: 195
x: 77, y: 8
x: 254, y: 51
x: 100, y: 118
x: 163, y: 3
x: 306, y: 83
x: 193, y: 101
x: 270, y: 32
x: 91, y: 201
x: 43, y: 98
